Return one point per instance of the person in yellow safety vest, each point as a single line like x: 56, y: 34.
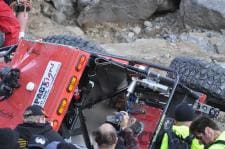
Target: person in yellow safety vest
x: 184, y: 115
x: 208, y: 133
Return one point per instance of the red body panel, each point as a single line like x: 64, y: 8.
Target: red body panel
x: 32, y: 60
x: 150, y: 120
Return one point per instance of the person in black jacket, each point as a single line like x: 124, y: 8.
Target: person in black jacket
x: 35, y: 123
x: 8, y: 139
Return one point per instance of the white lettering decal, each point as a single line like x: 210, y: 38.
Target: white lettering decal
x: 46, y: 83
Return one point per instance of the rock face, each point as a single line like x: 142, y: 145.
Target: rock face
x: 167, y: 5
x: 98, y: 11
x: 208, y: 14
x: 204, y: 13
x: 118, y: 10
x: 124, y: 10
x: 154, y: 50
x: 210, y: 42
x: 81, y: 4
x: 60, y: 10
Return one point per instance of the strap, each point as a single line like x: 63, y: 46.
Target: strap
x: 219, y: 142
x: 189, y: 139
x: 172, y: 134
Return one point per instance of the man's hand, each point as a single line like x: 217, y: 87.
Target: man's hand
x: 25, y: 3
x: 124, y: 122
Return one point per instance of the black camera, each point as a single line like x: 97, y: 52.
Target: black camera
x: 9, y: 81
x: 116, y: 119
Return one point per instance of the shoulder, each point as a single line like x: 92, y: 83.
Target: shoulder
x: 195, y: 144
x: 221, y: 136
x: 181, y: 131
x: 217, y: 146
x: 180, y: 128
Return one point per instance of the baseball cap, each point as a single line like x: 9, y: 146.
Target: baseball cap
x: 184, y: 112
x: 34, y: 110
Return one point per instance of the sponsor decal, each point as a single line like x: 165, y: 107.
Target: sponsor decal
x: 46, y: 83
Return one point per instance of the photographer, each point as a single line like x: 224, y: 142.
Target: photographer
x: 107, y: 137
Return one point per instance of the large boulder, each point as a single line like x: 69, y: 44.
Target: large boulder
x: 168, y: 5
x: 98, y: 11
x: 118, y: 10
x: 204, y: 13
x: 81, y: 4
x: 123, y: 10
x: 211, y: 42
x: 59, y: 10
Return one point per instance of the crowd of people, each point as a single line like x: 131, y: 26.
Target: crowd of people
x: 199, y: 132
x: 110, y: 136
x: 36, y: 132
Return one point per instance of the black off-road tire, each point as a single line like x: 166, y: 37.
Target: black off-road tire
x: 201, y: 75
x: 76, y: 42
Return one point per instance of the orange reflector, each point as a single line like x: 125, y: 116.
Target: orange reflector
x: 55, y: 124
x: 80, y: 63
x: 62, y: 106
x: 72, y: 84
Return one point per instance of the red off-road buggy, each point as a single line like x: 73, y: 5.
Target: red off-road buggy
x: 65, y: 80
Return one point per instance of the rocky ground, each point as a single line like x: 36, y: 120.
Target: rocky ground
x: 157, y: 40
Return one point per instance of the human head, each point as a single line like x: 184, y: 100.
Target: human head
x: 205, y: 129
x: 65, y: 146
x: 106, y: 136
x: 8, y: 139
x: 184, y: 112
x: 34, y: 114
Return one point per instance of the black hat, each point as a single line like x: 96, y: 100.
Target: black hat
x: 34, y: 110
x: 184, y: 112
x: 37, y: 142
x: 8, y: 139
